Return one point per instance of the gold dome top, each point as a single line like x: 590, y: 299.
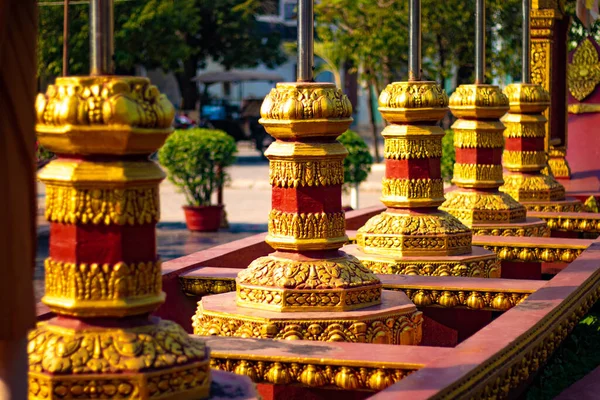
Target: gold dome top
x: 305, y: 109
x: 420, y: 101
x: 103, y: 115
x: 478, y: 101
x: 527, y: 98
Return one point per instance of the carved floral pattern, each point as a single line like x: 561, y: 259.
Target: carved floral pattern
x: 404, y: 148
x: 131, y: 206
x: 293, y: 174
x: 307, y: 225
x: 583, y: 74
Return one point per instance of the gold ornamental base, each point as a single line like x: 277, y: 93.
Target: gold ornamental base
x: 568, y: 204
x: 159, y: 361
x: 531, y: 227
x: 403, y: 233
x: 394, y: 321
x: 479, y: 263
x: 524, y: 187
x: 474, y: 207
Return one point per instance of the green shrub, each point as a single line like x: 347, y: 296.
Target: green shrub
x: 357, y: 165
x: 448, y: 156
x: 42, y: 155
x: 195, y: 160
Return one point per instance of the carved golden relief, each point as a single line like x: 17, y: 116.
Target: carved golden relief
x: 58, y: 350
x: 305, y: 101
x: 539, y: 230
x: 526, y: 98
x: 557, y: 162
x: 305, y: 110
x: 475, y: 300
x: 530, y: 127
x: 487, y: 267
x: 307, y: 225
x: 478, y: 175
x: 293, y: 174
x: 583, y: 74
x: 126, y: 115
x: 396, y: 191
x: 532, y: 187
x: 406, y: 235
x: 540, y: 66
x: 192, y: 382
x: 584, y: 223
x: 70, y: 205
x: 478, y: 101
x: 471, y: 139
x: 276, y: 283
x: 313, y: 375
x: 402, y: 148
x: 475, y: 207
x: 384, y: 329
x: 413, y: 101
x: 532, y: 253
x: 513, y: 366
x: 206, y: 285
x: 336, y: 273
x: 524, y: 160
x: 95, y: 282
x: 567, y: 205
x: 590, y: 205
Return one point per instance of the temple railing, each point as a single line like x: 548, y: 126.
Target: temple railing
x: 533, y: 249
x: 424, y: 291
x: 583, y: 222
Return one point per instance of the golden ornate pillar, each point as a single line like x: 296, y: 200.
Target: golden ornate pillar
x: 412, y: 236
x: 478, y: 141
x: 103, y: 277
x: 524, y: 156
x: 549, y: 30
x: 307, y: 289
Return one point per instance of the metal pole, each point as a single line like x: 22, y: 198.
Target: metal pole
x: 101, y: 37
x: 65, y: 68
x: 525, y: 67
x: 306, y: 27
x: 480, y: 42
x: 414, y: 40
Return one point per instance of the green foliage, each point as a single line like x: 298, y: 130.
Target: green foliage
x: 374, y: 35
x: 195, y: 160
x: 448, y: 155
x: 577, y: 31
x: 357, y: 165
x: 147, y: 33
x: 578, y: 355
x: 42, y: 155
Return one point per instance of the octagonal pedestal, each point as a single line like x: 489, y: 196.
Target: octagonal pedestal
x: 531, y: 227
x: 479, y: 263
x: 394, y: 321
x: 568, y: 204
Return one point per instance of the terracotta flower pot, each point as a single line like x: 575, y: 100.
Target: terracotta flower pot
x: 203, y: 218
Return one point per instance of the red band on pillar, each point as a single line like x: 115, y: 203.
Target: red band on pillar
x: 308, y: 199
x: 414, y: 168
x: 525, y: 144
x: 479, y: 156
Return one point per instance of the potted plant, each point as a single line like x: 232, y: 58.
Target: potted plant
x: 195, y: 160
x: 357, y: 165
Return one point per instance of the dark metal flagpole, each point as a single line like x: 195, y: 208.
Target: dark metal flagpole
x: 65, y: 68
x: 526, y: 54
x: 414, y: 40
x: 305, y: 40
x: 101, y: 37
x: 480, y: 42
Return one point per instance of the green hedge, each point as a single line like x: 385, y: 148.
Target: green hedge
x: 448, y: 155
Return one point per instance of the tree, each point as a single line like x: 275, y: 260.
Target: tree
x: 175, y: 35
x: 230, y: 34
x: 146, y: 33
x: 373, y: 35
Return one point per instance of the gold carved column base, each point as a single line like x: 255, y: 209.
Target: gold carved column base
x: 403, y: 232
x: 394, y: 321
x: 557, y: 162
x: 492, y: 213
x: 478, y: 263
x: 158, y: 360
